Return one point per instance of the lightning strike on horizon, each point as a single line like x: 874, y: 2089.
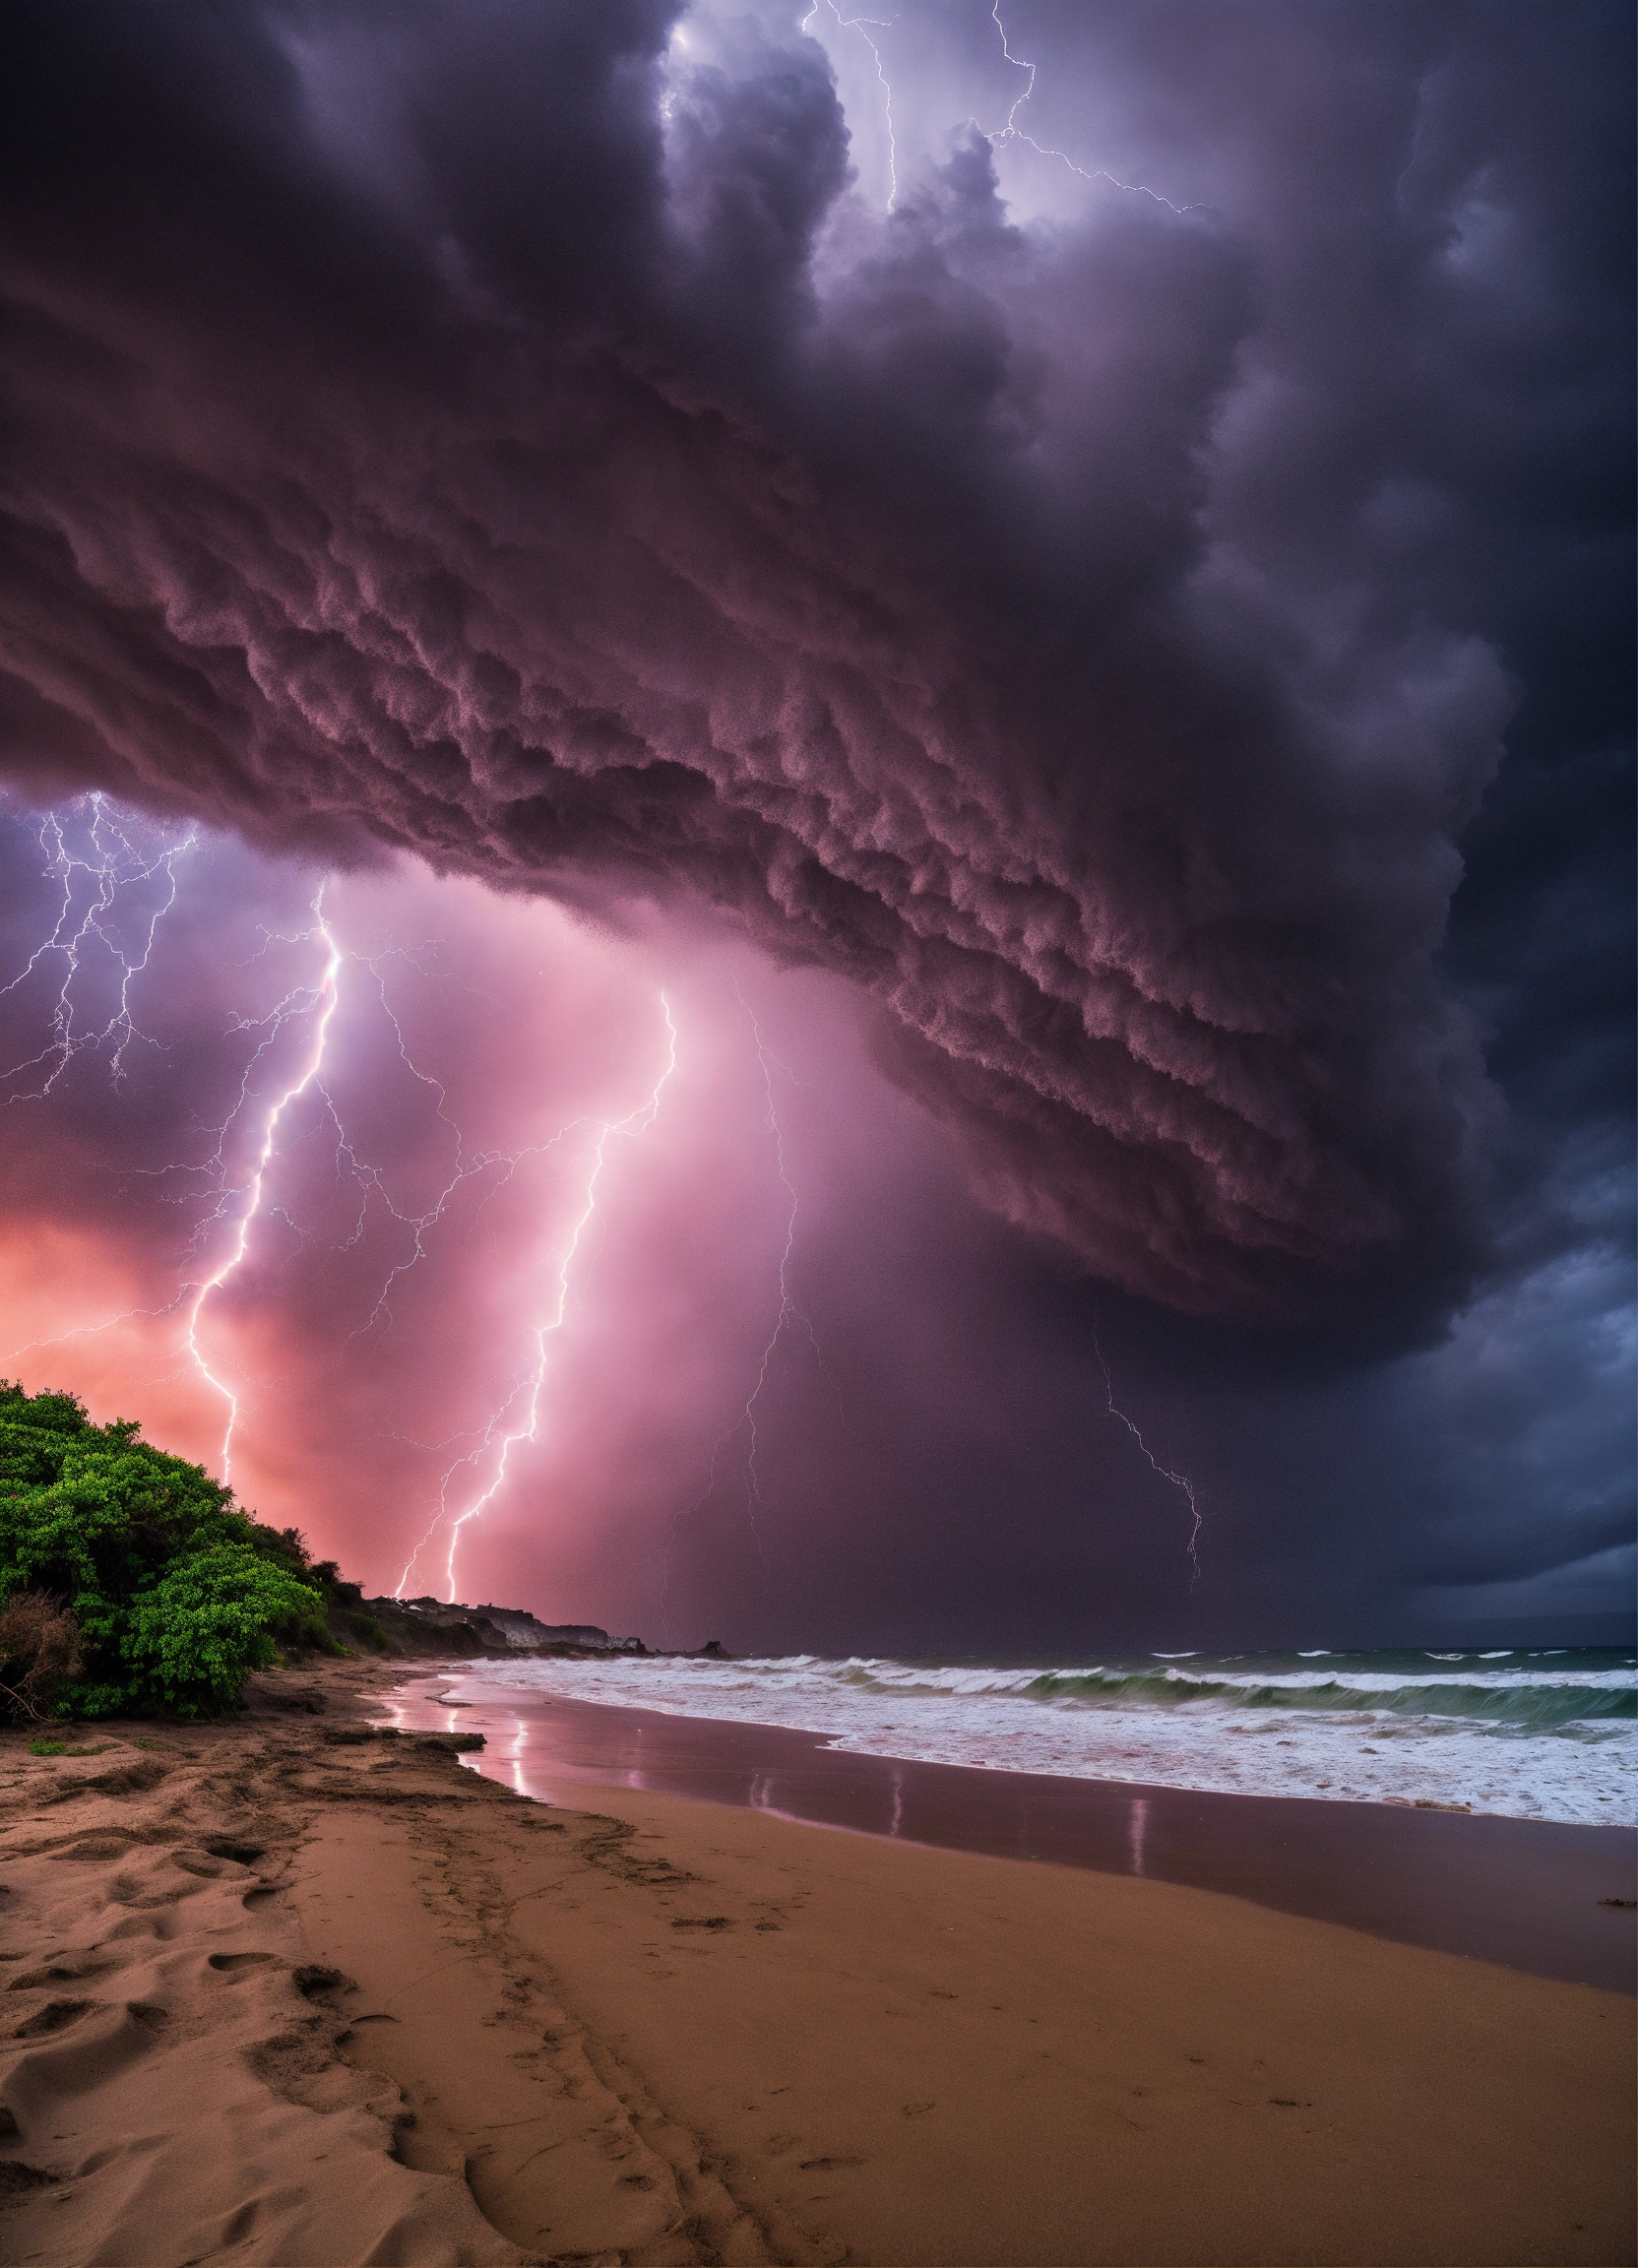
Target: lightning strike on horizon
x: 324, y: 999
x: 1177, y: 1480
x: 467, y: 1165
x: 117, y: 867
x: 876, y: 23
x: 531, y: 1382
x: 788, y: 1313
x: 789, y: 1310
x: 242, y: 1201
x: 1012, y: 132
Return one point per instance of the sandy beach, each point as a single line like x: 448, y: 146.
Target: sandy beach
x: 289, y: 1991
x: 1527, y: 1892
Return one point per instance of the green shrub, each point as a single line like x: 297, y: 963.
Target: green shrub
x: 196, y: 1634
x: 373, y: 1633
x: 177, y: 1596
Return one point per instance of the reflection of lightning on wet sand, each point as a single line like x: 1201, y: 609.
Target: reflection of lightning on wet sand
x: 1137, y: 1829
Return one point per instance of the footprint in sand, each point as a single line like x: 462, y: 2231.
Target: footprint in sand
x: 231, y: 1846
x: 55, y: 2016
x: 91, y: 1847
x: 59, y: 1972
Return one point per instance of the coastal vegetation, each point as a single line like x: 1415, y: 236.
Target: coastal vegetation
x: 130, y: 1581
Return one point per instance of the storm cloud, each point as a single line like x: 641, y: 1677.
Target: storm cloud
x: 508, y: 434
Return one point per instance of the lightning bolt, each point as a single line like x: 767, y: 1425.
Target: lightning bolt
x: 528, y: 1388
x: 108, y: 1323
x: 1178, y: 1481
x: 789, y: 1313
x: 115, y: 869
x: 997, y: 136
x: 465, y: 1168
x: 865, y: 26
x: 1012, y: 132
x: 321, y: 1001
x: 245, y: 1195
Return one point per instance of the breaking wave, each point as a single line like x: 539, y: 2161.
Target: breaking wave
x: 1541, y: 1734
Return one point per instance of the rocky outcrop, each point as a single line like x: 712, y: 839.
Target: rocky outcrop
x: 521, y: 1629
x: 446, y: 1627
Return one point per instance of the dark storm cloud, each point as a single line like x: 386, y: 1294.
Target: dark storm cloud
x: 490, y: 432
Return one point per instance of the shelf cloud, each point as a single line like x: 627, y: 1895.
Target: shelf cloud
x: 508, y: 434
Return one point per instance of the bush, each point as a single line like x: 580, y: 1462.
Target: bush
x: 373, y: 1633
x: 209, y: 1621
x: 40, y: 1652
x: 173, y: 1594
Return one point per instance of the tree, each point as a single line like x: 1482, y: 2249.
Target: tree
x: 176, y: 1595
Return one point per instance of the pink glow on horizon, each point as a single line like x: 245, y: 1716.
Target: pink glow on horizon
x: 423, y: 1179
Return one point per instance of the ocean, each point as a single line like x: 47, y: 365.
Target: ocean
x: 1543, y: 1735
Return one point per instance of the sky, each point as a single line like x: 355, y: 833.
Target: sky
x: 818, y: 830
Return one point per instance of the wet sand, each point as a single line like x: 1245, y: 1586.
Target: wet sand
x: 1522, y: 1892
x: 288, y: 1992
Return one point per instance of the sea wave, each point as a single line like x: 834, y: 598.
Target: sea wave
x: 1540, y: 1700
x: 1547, y: 1736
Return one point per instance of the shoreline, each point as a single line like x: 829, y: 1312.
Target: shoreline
x: 291, y: 1992
x: 1524, y: 1893
x: 1537, y: 1738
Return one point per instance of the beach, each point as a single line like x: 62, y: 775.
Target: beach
x: 1524, y: 1892
x: 293, y: 1989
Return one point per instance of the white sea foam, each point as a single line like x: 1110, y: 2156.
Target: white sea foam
x: 1543, y: 1737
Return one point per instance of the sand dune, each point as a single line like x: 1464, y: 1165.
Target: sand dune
x: 277, y: 1992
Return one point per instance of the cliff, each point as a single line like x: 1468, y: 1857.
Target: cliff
x: 439, y: 1626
